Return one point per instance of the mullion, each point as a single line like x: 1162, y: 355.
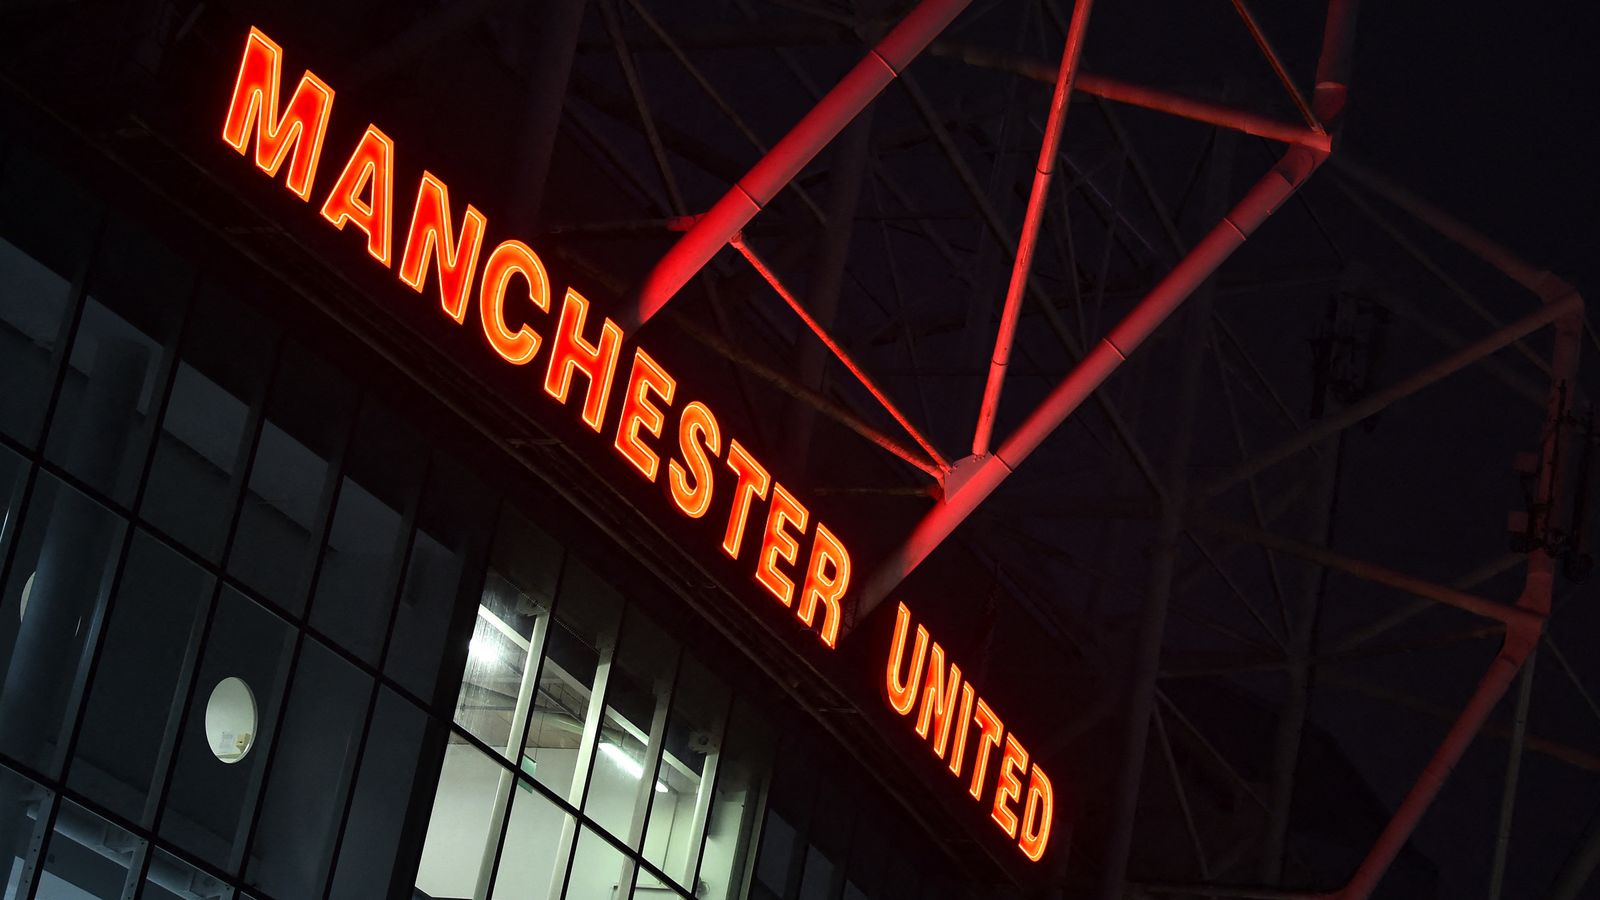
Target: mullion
x: 166, y: 768
x: 716, y: 781
x: 77, y: 705
x: 148, y: 835
x: 173, y: 544
x: 326, y: 504
x: 77, y: 298
x: 404, y: 540
x: 33, y: 867
x: 520, y: 739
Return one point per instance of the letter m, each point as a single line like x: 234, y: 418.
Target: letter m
x: 297, y: 134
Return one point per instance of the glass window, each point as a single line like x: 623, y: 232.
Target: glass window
x: 64, y: 562
x: 531, y: 867
x: 689, y: 759
x: 45, y: 228
x: 833, y: 821
x: 23, y: 805
x: 356, y: 584
x: 451, y: 523
x: 308, y: 419
x: 779, y: 857
x: 210, y: 801
x: 459, y: 852
x: 87, y: 857
x: 171, y: 878
x: 222, y: 372
x: 581, y: 639
x: 817, y: 881
x: 736, y: 808
x: 599, y: 870
x: 385, y: 804
x: 12, y: 470
x: 869, y: 849
x: 639, y: 687
x: 102, y: 423
x: 501, y: 675
x: 311, y: 774
x: 132, y: 707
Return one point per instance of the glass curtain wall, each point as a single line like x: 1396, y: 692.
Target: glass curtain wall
x: 229, y: 577
x: 259, y: 638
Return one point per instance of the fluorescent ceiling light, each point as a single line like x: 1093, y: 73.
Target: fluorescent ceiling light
x: 483, y: 649
x: 627, y: 763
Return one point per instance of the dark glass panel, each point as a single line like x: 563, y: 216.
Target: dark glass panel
x: 65, y: 560
x: 309, y: 412
x: 227, y: 734
x: 222, y: 372
x: 45, y: 228
x: 452, y: 523
x: 312, y: 765
x: 12, y: 472
x: 171, y: 878
x: 385, y: 803
x: 137, y: 293
x: 23, y: 805
x: 87, y: 857
x: 356, y: 585
x: 134, y: 700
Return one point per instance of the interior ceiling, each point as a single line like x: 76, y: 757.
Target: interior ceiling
x: 900, y: 236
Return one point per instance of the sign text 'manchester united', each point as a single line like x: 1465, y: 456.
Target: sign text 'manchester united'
x: 514, y: 292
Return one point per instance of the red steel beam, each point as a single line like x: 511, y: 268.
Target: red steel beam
x: 964, y: 494
x: 1201, y: 111
x: 1022, y: 265
x: 839, y: 352
x: 784, y: 161
x: 1520, y: 641
x: 1278, y: 68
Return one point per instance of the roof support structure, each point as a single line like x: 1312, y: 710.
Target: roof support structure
x: 778, y: 167
x: 1038, y: 199
x: 965, y: 490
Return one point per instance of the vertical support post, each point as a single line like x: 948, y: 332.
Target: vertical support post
x: 882, y: 64
x: 1038, y: 200
x: 593, y: 719
x: 1508, y: 799
x: 520, y: 713
x: 1302, y: 640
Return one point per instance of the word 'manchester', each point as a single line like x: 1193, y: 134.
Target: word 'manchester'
x: 363, y: 198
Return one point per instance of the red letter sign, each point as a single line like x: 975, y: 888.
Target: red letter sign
x: 255, y: 108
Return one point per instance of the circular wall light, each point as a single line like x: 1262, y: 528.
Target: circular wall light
x: 231, y: 720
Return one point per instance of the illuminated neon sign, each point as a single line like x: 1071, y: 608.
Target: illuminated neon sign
x: 929, y: 690
x: 362, y: 199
